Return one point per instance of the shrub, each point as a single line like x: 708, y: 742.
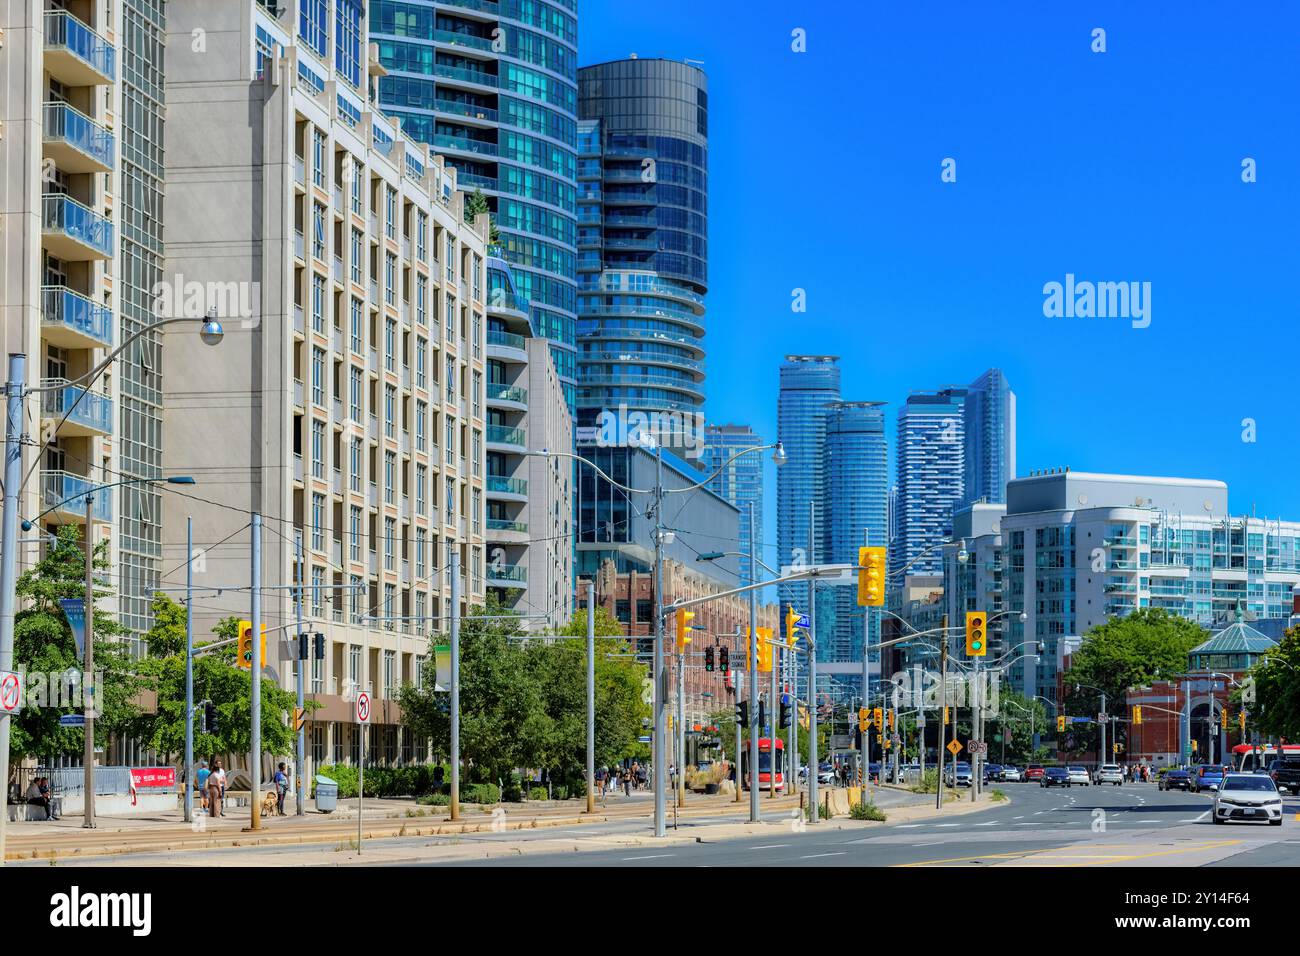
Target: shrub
x: 997, y: 795
x: 561, y: 792
x: 928, y: 783
x: 537, y: 793
x: 484, y: 793
x: 342, y: 774
x: 866, y: 811
x: 434, y: 800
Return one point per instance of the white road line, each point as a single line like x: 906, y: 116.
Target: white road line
x: 991, y: 823
x: 909, y: 826
x: 814, y: 856
x: 1021, y: 817
x: 770, y: 846
x: 1148, y: 821
x: 947, y: 824
x: 1196, y: 819
x: 652, y: 856
x: 1031, y: 823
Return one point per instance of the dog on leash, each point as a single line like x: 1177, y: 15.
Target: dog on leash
x: 269, y: 804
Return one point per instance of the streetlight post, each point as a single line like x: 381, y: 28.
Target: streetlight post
x: 591, y: 696
x: 90, y: 693
x: 661, y: 674
x: 454, y: 564
x: 814, y: 763
x: 300, y: 735
x: 189, y: 669
x: 754, y: 731
x: 255, y: 673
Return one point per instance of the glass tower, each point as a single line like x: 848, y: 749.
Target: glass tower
x: 989, y: 420
x: 930, y: 461
x: 642, y: 239
x: 491, y: 86
x: 740, y: 482
x: 856, y: 476
x: 808, y: 385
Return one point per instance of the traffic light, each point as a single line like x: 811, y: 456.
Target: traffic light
x: 785, y: 715
x: 319, y: 640
x: 1241, y: 720
x: 209, y: 717
x: 1060, y: 725
x: 945, y: 716
x: 1115, y: 748
x: 762, y: 715
x: 1137, y: 714
x: 878, y: 719
x: 765, y: 650
x: 891, y: 721
x: 724, y: 660
x: 742, y: 713
x: 871, y: 577
x: 864, y: 718
x: 708, y: 659
x: 244, y: 658
x: 299, y: 718
x: 683, y: 629
x: 977, y: 644
x: 304, y: 646
x: 1195, y: 746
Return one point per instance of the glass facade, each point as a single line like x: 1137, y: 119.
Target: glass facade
x: 642, y: 238
x: 492, y: 86
x: 141, y: 269
x: 989, y: 420
x: 930, y: 463
x: 741, y: 481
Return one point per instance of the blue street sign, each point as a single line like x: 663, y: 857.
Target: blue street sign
x: 75, y: 611
x: 1080, y: 720
x: 803, y: 621
x: 644, y: 738
x: 72, y: 720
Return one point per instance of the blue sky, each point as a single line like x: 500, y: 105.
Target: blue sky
x: 1117, y: 166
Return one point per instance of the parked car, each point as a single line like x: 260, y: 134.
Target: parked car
x: 873, y: 771
x: 1078, y: 774
x: 1109, y: 773
x: 992, y: 773
x: 958, y: 776
x: 1054, y: 777
x: 910, y: 773
x: 1247, y: 796
x: 826, y: 775
x: 1207, y: 777
x: 1011, y: 775
x: 1174, y: 780
x: 1034, y: 772
x: 1285, y: 774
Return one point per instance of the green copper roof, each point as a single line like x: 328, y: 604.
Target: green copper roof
x: 1236, y: 638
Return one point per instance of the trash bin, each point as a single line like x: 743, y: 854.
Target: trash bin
x: 327, y: 794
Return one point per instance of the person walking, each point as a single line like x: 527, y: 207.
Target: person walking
x: 281, y: 788
x: 216, y: 788
x: 201, y: 783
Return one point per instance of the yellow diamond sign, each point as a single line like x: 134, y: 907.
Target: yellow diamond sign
x: 954, y: 748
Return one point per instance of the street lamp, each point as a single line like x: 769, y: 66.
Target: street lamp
x: 16, y: 392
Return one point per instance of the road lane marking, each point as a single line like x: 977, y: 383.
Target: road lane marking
x: 909, y: 826
x: 1031, y: 857
x: 947, y: 824
x: 815, y: 856
x: 991, y: 823
x: 652, y: 856
x: 770, y: 846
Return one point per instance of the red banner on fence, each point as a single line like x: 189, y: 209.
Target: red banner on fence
x: 153, y: 777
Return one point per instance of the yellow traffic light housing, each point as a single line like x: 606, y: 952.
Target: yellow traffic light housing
x: 683, y: 629
x: 244, y: 658
x: 765, y: 650
x: 871, y: 577
x: 1137, y: 714
x: 864, y: 719
x: 977, y: 644
x: 1060, y: 725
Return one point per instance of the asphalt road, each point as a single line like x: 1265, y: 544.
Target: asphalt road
x: 1132, y: 825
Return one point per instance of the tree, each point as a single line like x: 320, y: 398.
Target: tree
x: 1022, y: 717
x: 1275, y: 711
x: 44, y: 647
x: 216, y: 678
x: 477, y: 205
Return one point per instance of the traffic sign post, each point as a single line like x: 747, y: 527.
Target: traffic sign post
x: 954, y: 748
x: 363, y: 724
x: 11, y: 692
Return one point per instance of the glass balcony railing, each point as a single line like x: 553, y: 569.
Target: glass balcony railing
x: 509, y: 486
x: 482, y: 147
x: 512, y: 573
x: 67, y: 493
x: 504, y: 435
x: 472, y: 110
x: 72, y: 128
x: 503, y: 299
x: 63, y: 309
x: 77, y: 226
x: 505, y: 339
x: 507, y: 393
x: 63, y: 31
x: 469, y: 76
x: 79, y: 408
x: 462, y: 39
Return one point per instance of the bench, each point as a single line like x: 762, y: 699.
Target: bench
x: 30, y: 811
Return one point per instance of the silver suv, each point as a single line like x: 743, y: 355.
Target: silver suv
x: 1109, y: 773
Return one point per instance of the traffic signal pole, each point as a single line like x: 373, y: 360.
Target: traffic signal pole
x: 775, y: 712
x: 89, y: 700
x: 255, y: 674
x: 300, y: 737
x: 189, y: 670
x: 943, y: 709
x: 591, y: 696
x: 813, y: 763
x: 680, y: 736
x: 754, y: 812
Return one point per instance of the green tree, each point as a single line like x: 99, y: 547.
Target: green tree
x: 1021, y: 717
x: 1275, y: 711
x: 44, y: 646
x: 475, y: 205
x: 216, y: 678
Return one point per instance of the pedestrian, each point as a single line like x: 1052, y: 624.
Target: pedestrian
x: 281, y: 788
x: 38, y: 795
x: 216, y: 788
x: 627, y: 781
x: 201, y: 783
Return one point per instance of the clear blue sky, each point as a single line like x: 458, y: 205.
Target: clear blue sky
x: 1120, y: 166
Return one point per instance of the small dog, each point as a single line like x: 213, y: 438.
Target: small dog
x: 269, y: 804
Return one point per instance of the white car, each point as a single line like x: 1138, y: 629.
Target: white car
x: 909, y: 773
x: 1010, y: 775
x: 1077, y: 775
x: 1247, y: 796
x: 1109, y: 773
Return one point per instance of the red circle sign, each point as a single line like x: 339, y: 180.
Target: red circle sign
x: 363, y: 707
x: 10, y: 691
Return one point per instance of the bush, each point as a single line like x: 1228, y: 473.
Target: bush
x: 997, y: 795
x: 537, y: 793
x: 928, y: 783
x: 561, y: 792
x: 434, y: 800
x: 484, y: 793
x: 343, y: 775
x: 866, y: 811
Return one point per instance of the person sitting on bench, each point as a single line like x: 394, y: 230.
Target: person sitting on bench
x: 38, y: 794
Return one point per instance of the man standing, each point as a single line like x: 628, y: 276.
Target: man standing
x: 216, y: 782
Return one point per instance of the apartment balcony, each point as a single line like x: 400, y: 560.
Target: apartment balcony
x: 75, y: 142
x: 75, y: 232
x: 507, y: 346
x: 510, y: 489
x: 619, y: 378
x: 70, y: 320
x: 501, y: 301
x: 79, y: 411
x: 467, y: 77
x: 507, y: 396
x: 507, y: 575
x: 76, y: 55
x: 464, y: 144
x: 65, y: 493
x: 470, y: 111
x: 1120, y: 542
x: 502, y: 438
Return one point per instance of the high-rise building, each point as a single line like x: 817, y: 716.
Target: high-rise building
x: 643, y: 242
x: 808, y: 385
x: 348, y: 407
x: 741, y: 481
x: 930, y: 464
x: 66, y: 282
x: 529, y: 500
x: 989, y: 423
x: 856, y: 501
x: 492, y: 87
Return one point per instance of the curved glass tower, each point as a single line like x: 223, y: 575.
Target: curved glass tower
x: 642, y: 240
x: 490, y: 84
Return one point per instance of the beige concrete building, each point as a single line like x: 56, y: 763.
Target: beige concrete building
x: 347, y: 404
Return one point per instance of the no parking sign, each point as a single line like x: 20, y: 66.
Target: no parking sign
x: 11, y: 692
x: 363, y: 708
